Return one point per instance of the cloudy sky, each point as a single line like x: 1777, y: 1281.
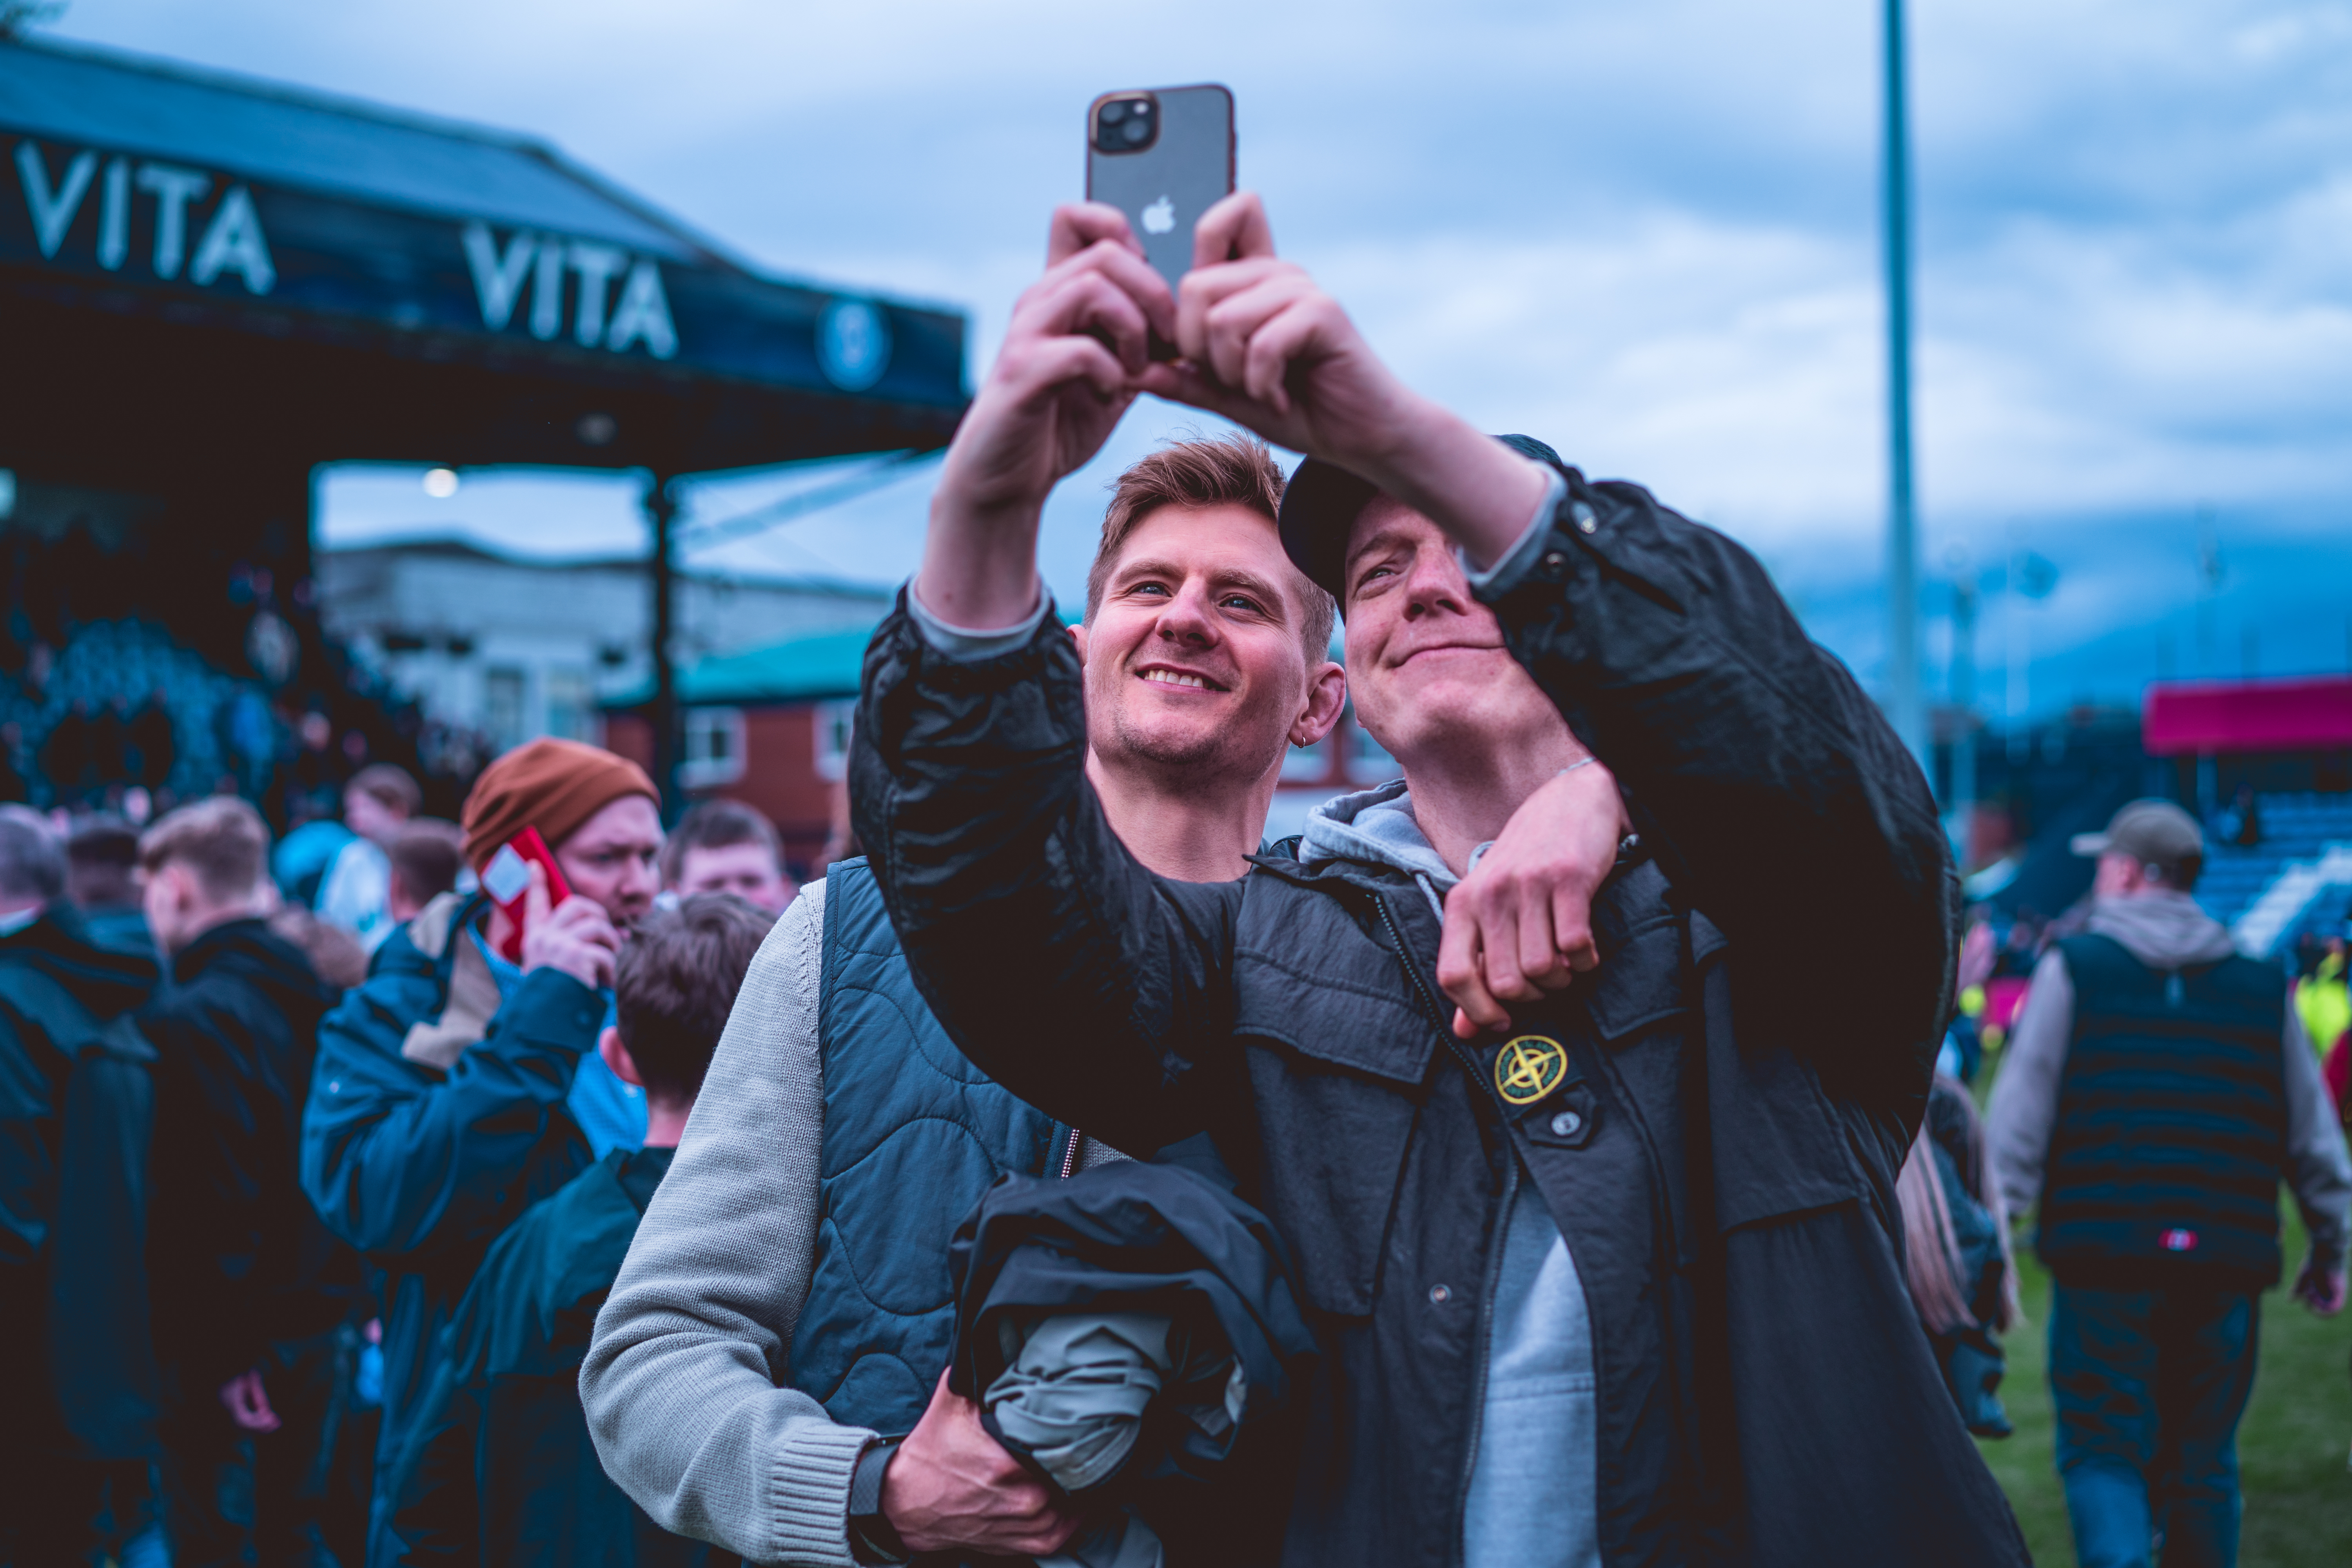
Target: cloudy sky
x: 1647, y: 233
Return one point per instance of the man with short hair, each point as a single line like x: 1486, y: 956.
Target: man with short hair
x: 803, y: 1238
x: 426, y: 857
x: 77, y: 1359
x: 2156, y: 1089
x: 250, y: 1289
x: 1605, y: 1273
x: 355, y: 891
x: 102, y: 880
x: 725, y: 847
x: 459, y: 1085
x: 499, y: 1467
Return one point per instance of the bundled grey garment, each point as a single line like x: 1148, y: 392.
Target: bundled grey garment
x: 684, y: 1384
x: 1075, y: 1396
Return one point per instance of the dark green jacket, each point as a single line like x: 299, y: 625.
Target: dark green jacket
x: 423, y: 1169
x: 499, y: 1467
x: 76, y: 1110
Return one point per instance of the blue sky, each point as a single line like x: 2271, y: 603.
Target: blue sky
x: 1646, y: 233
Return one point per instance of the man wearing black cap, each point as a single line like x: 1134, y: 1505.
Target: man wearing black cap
x: 2157, y: 1088
x: 1603, y: 1272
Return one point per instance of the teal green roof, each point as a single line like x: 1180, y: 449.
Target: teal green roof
x: 821, y: 667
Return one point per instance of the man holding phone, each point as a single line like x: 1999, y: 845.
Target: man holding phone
x: 1606, y: 1273
x: 456, y: 1087
x: 780, y: 1323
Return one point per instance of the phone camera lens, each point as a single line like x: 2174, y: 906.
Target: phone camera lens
x: 1125, y: 125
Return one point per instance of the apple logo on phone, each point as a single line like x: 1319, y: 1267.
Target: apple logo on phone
x: 1159, y: 217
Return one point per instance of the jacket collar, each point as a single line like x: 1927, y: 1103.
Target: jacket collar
x: 245, y: 934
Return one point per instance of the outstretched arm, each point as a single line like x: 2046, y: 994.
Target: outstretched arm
x: 1771, y: 788
x: 1058, y: 388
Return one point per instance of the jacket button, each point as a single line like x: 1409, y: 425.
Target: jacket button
x: 1566, y: 1123
x: 1585, y: 522
x: 1440, y: 1295
x: 1554, y: 564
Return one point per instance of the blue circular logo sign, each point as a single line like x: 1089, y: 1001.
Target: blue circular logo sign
x: 853, y: 344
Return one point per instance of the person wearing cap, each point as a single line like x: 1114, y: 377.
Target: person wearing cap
x: 768, y: 1372
x: 454, y: 1088
x: 2155, y: 1091
x: 1605, y: 1269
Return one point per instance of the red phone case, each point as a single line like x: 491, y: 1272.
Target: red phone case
x: 506, y: 879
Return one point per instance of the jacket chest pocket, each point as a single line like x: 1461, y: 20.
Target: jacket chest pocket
x: 1337, y: 1076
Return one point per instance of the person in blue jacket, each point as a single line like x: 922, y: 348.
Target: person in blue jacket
x: 500, y: 1468
x: 457, y: 1087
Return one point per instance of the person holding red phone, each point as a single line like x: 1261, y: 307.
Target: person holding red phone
x: 461, y: 1084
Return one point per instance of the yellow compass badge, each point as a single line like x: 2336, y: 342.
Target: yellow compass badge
x: 1528, y: 1067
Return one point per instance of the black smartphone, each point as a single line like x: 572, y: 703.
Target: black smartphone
x: 1163, y: 156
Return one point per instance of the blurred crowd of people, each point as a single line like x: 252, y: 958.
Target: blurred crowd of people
x: 225, y: 1302
x: 1478, y: 1177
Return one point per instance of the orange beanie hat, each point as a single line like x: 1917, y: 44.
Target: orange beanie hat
x: 551, y: 784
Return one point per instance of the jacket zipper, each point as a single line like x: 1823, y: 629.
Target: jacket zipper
x: 1070, y: 1154
x: 1485, y: 1324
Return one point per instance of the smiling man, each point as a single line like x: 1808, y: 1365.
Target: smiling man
x: 767, y: 1371
x: 1603, y: 1275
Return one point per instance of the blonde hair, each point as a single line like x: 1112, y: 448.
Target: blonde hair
x: 1237, y: 469
x: 221, y: 839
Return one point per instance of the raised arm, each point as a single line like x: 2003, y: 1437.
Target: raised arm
x: 1771, y: 787
x: 1059, y: 963
x: 394, y: 1160
x: 1768, y: 782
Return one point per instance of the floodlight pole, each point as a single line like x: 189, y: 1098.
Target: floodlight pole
x: 1905, y: 707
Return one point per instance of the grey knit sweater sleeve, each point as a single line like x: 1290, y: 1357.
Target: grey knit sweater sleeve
x: 681, y: 1384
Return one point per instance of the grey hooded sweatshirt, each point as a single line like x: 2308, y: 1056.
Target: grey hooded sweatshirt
x: 2163, y: 931
x: 1538, y: 1427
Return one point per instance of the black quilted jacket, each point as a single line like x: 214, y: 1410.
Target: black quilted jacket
x: 1720, y: 1149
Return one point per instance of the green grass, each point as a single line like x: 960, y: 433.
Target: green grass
x: 2291, y: 1445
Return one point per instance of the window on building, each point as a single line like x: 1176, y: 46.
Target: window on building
x: 571, y: 705
x: 502, y: 713
x: 714, y: 747
x: 836, y: 721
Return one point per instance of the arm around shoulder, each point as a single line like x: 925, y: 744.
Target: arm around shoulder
x: 1774, y: 791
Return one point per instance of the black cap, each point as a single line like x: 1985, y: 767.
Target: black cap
x: 1323, y: 500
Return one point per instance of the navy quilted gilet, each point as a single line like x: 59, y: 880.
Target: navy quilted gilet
x: 2171, y: 1138
x: 913, y: 1135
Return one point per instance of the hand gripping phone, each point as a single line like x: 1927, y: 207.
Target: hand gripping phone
x: 506, y: 879
x: 1163, y: 156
